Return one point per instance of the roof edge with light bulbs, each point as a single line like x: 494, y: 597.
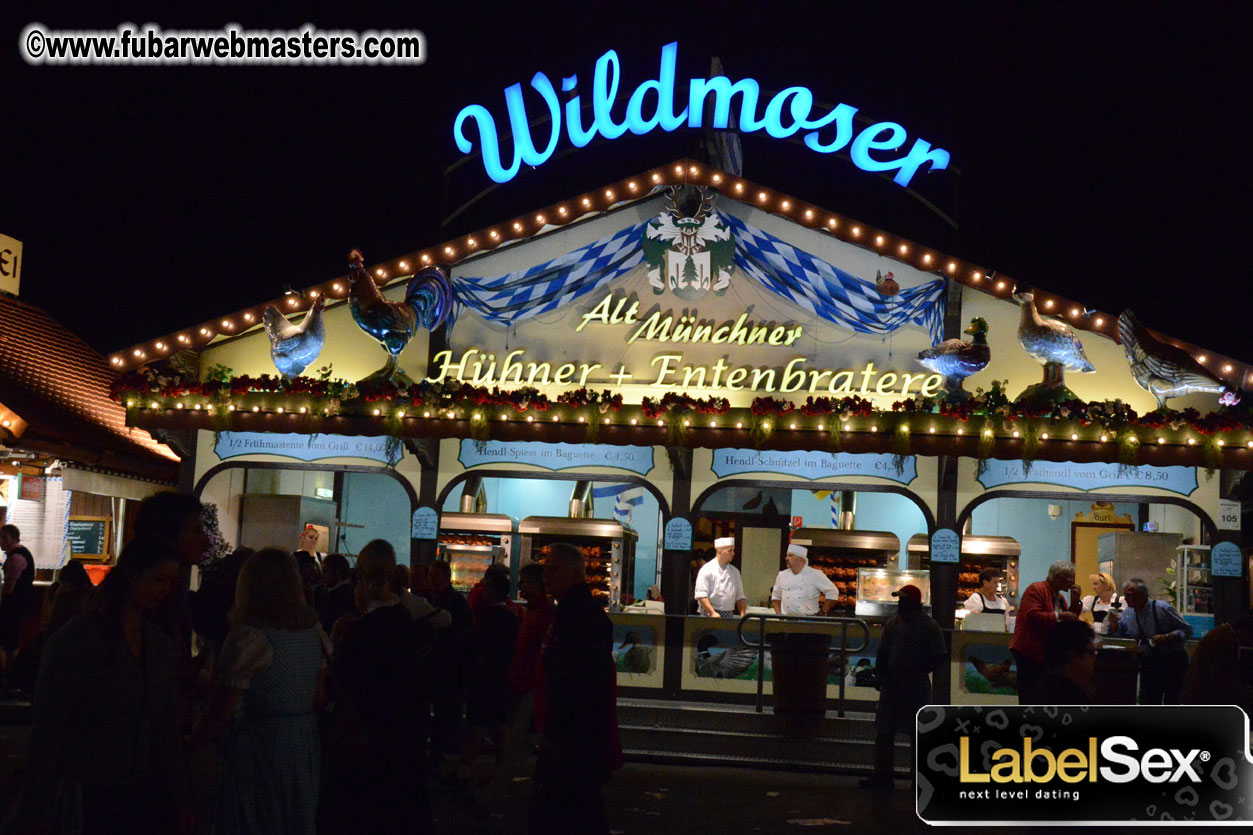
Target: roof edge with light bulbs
x: 988, y: 425
x: 630, y: 190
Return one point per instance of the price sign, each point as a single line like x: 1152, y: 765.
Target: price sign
x: 945, y: 546
x: 678, y: 534
x: 1225, y: 560
x: 1228, y: 515
x: 425, y: 523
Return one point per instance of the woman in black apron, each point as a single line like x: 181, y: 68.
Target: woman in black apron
x: 1105, y: 597
x: 988, y: 599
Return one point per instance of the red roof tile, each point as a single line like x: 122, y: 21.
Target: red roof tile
x: 60, y: 387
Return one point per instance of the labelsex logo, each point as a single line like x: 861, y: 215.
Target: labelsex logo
x: 1039, y: 765
x: 652, y: 105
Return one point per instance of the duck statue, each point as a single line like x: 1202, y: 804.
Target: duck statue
x: 1052, y: 343
x: 1164, y: 370
x: 956, y: 360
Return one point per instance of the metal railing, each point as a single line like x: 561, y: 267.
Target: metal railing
x: 843, y: 650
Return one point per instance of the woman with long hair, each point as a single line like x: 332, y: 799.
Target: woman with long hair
x: 268, y: 684
x: 105, y: 748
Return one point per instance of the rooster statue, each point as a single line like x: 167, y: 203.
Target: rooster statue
x: 293, y: 348
x: 1163, y: 370
x: 1052, y: 343
x: 956, y: 360
x: 428, y: 298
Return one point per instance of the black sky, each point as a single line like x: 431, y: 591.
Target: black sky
x: 1102, y: 147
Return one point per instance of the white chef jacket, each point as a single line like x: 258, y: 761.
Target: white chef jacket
x: 722, y: 586
x: 798, y: 593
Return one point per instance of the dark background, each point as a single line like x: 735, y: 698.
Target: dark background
x: 1102, y: 147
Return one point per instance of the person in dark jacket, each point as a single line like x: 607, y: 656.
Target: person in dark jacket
x: 378, y: 673
x: 1159, y: 632
x: 105, y: 746
x: 1070, y: 659
x: 911, y: 649
x: 17, y: 595
x: 579, y: 746
x: 449, y: 664
x: 333, y: 597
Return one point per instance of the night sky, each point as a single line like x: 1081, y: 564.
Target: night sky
x: 1099, y: 150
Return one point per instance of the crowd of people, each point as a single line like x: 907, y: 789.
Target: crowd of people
x: 330, y: 694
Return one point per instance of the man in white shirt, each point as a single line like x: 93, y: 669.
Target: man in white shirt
x: 800, y: 589
x: 719, y: 589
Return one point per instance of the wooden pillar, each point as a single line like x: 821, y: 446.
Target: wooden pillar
x: 676, y: 574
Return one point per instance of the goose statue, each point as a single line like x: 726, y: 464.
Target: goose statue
x: 1052, y: 343
x: 956, y: 360
x: 1164, y: 370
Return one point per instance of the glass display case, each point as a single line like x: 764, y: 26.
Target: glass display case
x: 1194, y: 591
x: 608, y: 551
x: 977, y: 553
x: 875, y: 587
x: 840, y: 554
x: 470, y: 542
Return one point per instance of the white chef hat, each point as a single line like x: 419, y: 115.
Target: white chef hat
x: 724, y: 542
x: 798, y: 551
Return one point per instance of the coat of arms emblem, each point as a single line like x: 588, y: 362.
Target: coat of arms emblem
x: 689, y: 251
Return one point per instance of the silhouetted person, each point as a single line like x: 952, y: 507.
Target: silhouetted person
x: 267, y: 684
x: 1214, y: 677
x: 212, y: 602
x: 912, y: 647
x: 537, y: 617
x: 1069, y: 660
x: 334, y: 598
x: 448, y: 665
x: 17, y: 594
x: 579, y: 746
x: 378, y: 674
x: 492, y: 640
x: 177, y: 518
x: 70, y: 594
x: 107, y: 711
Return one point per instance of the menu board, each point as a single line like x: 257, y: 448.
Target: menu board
x: 88, y: 536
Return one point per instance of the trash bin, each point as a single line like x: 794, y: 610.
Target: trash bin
x: 799, y: 663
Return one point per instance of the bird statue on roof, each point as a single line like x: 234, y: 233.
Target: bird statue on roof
x: 293, y: 348
x: 428, y: 299
x: 1164, y: 370
x: 886, y: 285
x: 956, y: 360
x: 1052, y: 343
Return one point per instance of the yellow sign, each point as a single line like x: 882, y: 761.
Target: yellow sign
x: 668, y: 371
x: 10, y: 264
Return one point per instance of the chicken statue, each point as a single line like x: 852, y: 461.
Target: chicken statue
x: 956, y: 360
x: 428, y: 298
x: 1052, y: 343
x: 293, y: 348
x: 1163, y: 370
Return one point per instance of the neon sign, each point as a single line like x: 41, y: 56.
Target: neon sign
x: 789, y: 112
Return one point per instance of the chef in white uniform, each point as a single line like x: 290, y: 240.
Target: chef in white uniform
x: 798, y: 587
x: 719, y: 589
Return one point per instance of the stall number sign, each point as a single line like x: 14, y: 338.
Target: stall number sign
x: 1225, y: 560
x: 945, y: 546
x: 87, y: 536
x: 1228, y: 515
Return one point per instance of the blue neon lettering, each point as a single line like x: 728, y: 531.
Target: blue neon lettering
x: 793, y: 105
x: 664, y: 86
x: 723, y: 90
x: 604, y: 92
x: 868, y: 141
